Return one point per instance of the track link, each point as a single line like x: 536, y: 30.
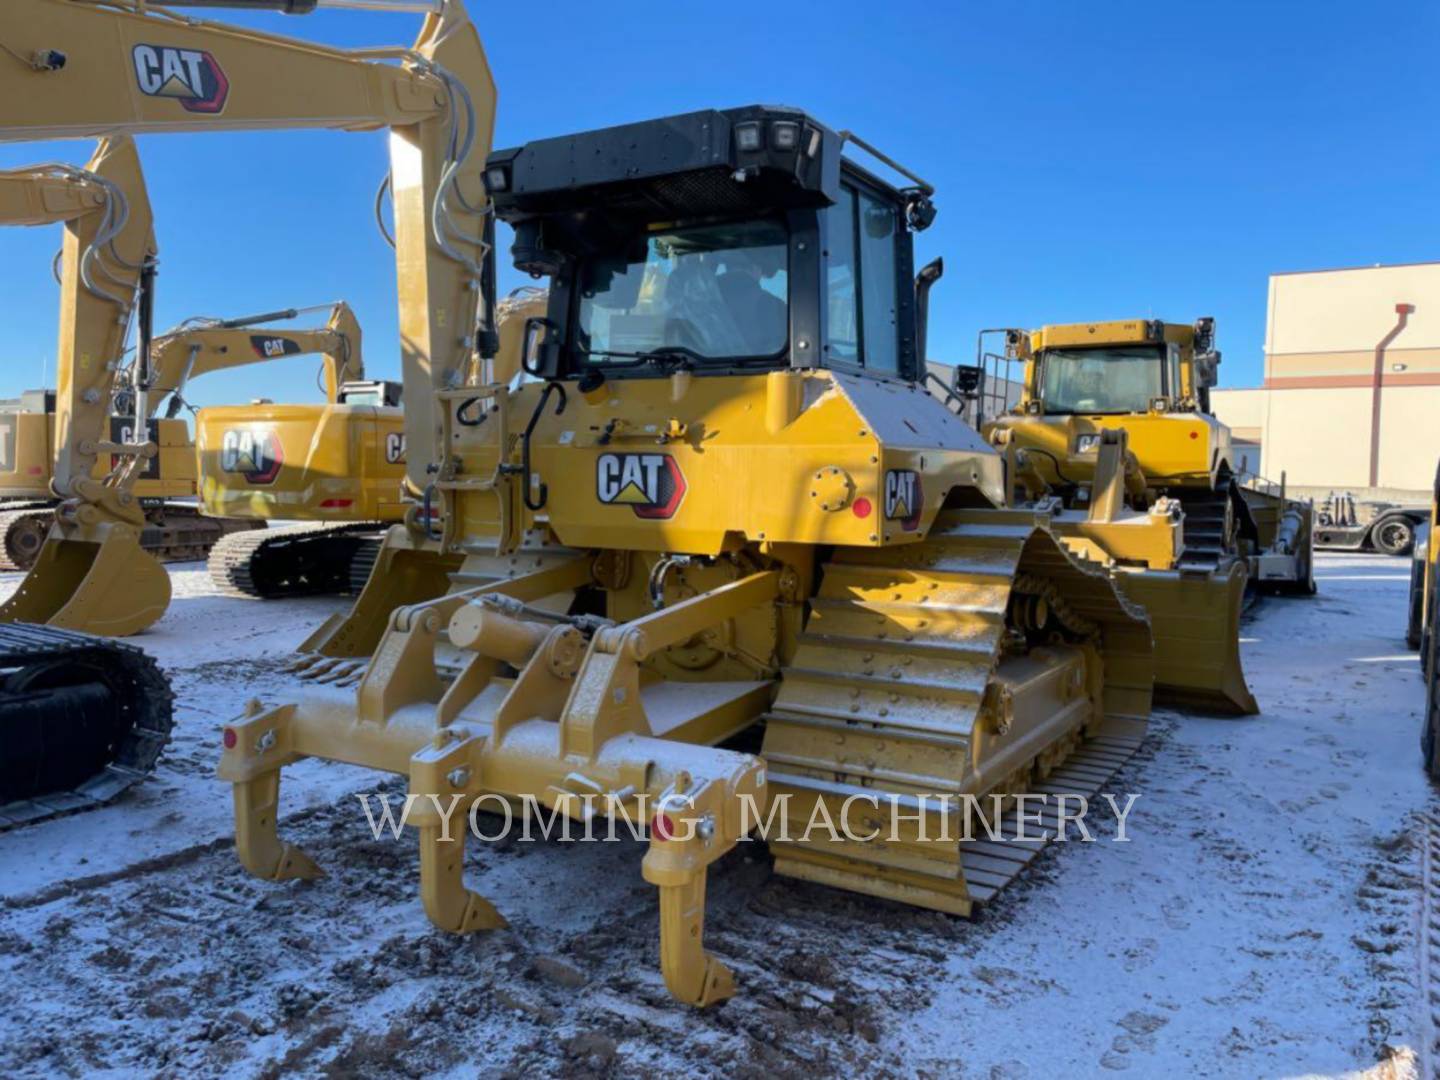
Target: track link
x: 894, y: 690
x: 1209, y: 530
x: 296, y: 560
x: 82, y: 719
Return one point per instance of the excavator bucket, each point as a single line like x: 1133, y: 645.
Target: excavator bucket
x: 97, y: 580
x: 1196, y: 624
x: 405, y: 572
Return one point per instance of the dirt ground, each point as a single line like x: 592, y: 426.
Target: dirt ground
x: 1261, y: 920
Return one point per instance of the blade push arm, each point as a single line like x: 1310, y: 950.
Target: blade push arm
x: 188, y: 353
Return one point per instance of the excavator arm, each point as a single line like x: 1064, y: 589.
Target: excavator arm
x: 195, y: 350
x: 111, y: 67
x: 109, y: 242
x: 86, y: 67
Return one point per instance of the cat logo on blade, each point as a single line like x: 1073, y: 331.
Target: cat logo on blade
x: 256, y: 454
x: 190, y: 76
x: 903, y: 498
x: 650, y: 484
x: 269, y: 347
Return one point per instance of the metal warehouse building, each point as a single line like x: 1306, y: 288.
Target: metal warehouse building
x: 1352, y: 382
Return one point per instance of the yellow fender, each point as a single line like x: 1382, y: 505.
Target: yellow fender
x: 97, y: 579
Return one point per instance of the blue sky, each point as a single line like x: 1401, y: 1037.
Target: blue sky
x: 1093, y: 159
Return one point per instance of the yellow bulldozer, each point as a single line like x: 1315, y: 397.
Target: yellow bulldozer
x: 718, y: 552
x: 1110, y: 426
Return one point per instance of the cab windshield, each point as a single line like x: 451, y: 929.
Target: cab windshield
x: 1119, y: 379
x: 707, y: 293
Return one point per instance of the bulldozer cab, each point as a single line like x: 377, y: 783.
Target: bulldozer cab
x: 660, y: 262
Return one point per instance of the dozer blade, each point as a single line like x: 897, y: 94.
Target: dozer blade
x: 104, y: 584
x: 81, y: 719
x: 1195, y: 621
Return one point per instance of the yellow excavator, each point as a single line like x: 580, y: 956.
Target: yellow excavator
x: 130, y: 67
x: 82, y: 718
x: 599, y: 610
x: 336, y: 465
x: 1112, y: 430
x: 107, y: 272
x: 112, y: 186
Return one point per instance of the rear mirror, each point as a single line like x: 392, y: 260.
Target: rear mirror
x: 1207, y: 370
x: 968, y: 378
x: 536, y: 357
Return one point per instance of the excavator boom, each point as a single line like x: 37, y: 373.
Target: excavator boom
x: 120, y: 67
x: 200, y: 348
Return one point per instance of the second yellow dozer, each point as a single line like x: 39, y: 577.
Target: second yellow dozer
x: 1112, y: 434
x: 720, y: 558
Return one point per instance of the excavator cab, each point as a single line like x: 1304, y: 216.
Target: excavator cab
x: 380, y: 393
x: 722, y: 551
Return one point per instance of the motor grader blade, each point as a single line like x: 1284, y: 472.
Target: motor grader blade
x: 1196, y: 624
x: 95, y: 579
x: 81, y: 720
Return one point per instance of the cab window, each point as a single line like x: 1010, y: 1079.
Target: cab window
x: 862, y: 302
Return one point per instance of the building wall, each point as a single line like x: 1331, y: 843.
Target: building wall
x: 1333, y: 339
x: 1324, y: 328
x: 1319, y: 437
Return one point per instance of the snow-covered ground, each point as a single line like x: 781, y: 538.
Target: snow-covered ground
x: 1262, y: 920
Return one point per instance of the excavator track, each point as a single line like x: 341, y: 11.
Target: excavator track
x: 174, y: 532
x: 178, y: 532
x: 909, y: 685
x: 81, y: 720
x: 296, y: 560
x: 363, y: 561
